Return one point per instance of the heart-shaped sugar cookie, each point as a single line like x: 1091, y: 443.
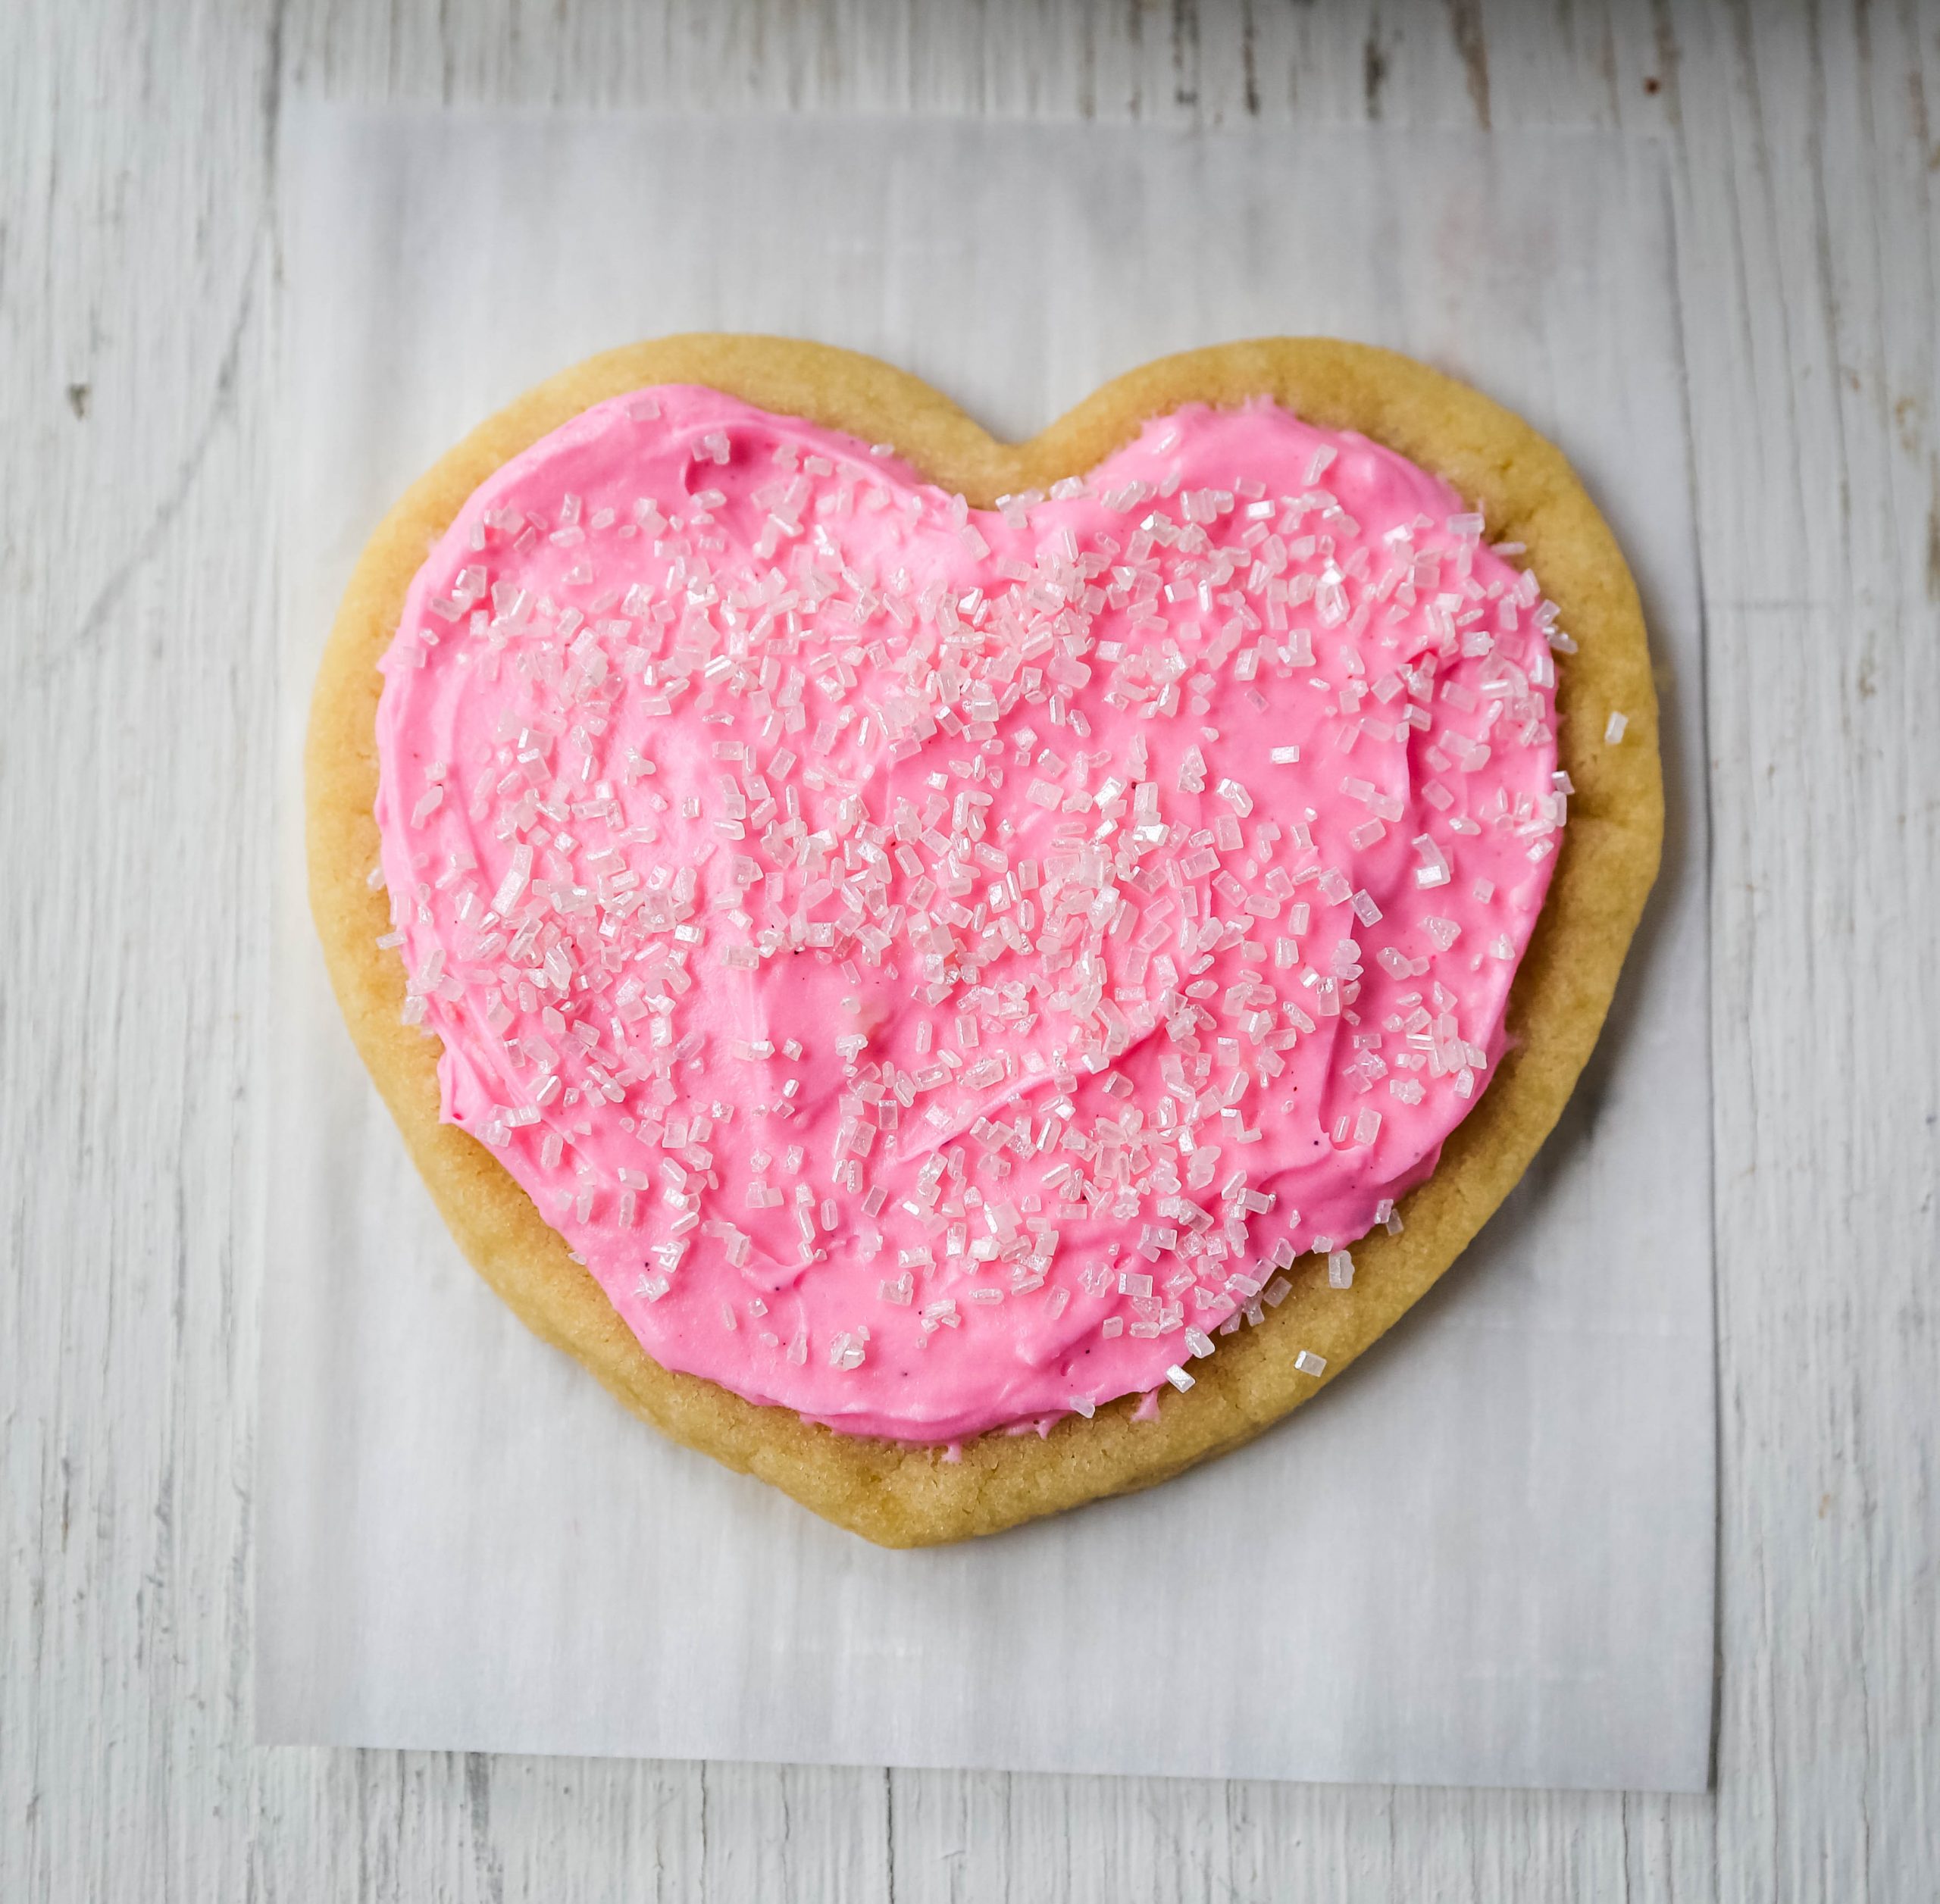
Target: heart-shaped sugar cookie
x: 906, y: 973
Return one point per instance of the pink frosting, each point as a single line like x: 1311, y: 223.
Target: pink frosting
x: 938, y: 968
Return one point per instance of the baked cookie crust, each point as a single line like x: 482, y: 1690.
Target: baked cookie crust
x: 901, y: 1495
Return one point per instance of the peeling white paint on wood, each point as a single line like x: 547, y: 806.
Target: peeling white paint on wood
x: 137, y: 256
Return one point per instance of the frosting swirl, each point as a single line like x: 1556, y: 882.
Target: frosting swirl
x: 939, y: 967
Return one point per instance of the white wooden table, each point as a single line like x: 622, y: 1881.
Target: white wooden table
x: 137, y: 271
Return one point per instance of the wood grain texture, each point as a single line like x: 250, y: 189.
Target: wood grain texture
x: 137, y: 262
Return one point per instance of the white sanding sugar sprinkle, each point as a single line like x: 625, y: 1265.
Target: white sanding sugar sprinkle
x: 1613, y: 728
